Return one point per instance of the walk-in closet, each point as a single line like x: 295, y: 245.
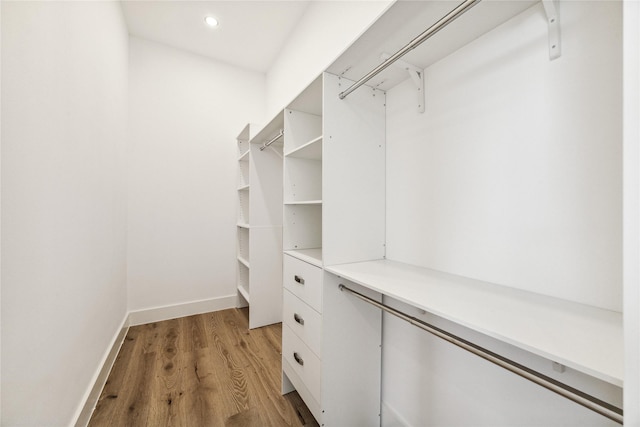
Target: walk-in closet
x: 381, y: 213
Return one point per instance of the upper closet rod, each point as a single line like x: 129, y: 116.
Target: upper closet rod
x: 274, y: 139
x: 446, y: 20
x: 577, y: 396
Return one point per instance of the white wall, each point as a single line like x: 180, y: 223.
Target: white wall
x: 631, y: 121
x: 185, y: 112
x: 64, y: 90
x: 324, y: 32
x: 512, y: 175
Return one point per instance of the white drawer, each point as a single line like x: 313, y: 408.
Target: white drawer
x: 303, y: 361
x: 304, y: 321
x: 304, y: 281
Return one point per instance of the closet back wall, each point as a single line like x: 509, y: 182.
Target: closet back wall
x: 513, y: 174
x: 184, y: 113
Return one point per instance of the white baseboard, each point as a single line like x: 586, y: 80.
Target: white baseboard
x: 391, y: 418
x: 93, y: 394
x: 157, y: 314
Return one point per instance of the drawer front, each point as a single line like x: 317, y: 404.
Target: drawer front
x: 304, y: 321
x: 303, y: 361
x: 304, y: 281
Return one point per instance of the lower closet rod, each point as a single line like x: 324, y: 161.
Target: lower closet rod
x: 593, y: 403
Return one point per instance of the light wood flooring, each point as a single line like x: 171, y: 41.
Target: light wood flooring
x: 205, y: 370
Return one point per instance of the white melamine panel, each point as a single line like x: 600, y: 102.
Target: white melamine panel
x: 243, y: 171
x: 266, y: 276
x: 304, y: 281
x: 351, y: 356
x: 302, y: 227
x: 582, y: 337
x: 312, y: 256
x: 311, y: 150
x: 243, y: 206
x: 65, y: 156
x: 513, y: 173
x: 304, y: 321
x: 300, y: 128
x: 303, y: 361
x: 243, y: 242
x: 266, y: 188
x: 302, y: 180
x: 430, y: 382
x: 354, y: 173
x: 243, y: 279
x: 386, y: 36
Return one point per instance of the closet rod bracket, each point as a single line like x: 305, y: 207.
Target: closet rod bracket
x: 553, y: 23
x: 416, y: 74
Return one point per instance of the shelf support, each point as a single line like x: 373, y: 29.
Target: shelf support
x: 416, y: 74
x: 553, y: 23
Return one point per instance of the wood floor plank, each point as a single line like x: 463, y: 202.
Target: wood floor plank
x: 206, y: 370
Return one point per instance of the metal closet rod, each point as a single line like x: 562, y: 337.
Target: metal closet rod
x: 274, y: 139
x: 593, y: 403
x: 443, y: 22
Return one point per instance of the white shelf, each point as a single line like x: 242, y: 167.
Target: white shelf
x: 269, y: 130
x: 243, y: 225
x: 244, y: 261
x: 243, y: 187
x: 244, y: 293
x: 305, y: 202
x: 585, y: 338
x: 311, y: 150
x: 312, y: 256
x: 244, y: 157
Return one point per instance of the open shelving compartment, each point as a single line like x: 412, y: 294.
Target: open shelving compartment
x: 303, y: 175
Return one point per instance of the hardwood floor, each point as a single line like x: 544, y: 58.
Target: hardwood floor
x: 205, y: 370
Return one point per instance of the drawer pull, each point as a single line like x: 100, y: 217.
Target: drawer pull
x: 298, y: 359
x: 298, y: 319
x: 298, y: 279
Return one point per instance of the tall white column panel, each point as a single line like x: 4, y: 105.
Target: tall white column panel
x: 353, y: 178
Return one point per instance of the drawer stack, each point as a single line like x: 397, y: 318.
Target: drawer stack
x: 302, y: 330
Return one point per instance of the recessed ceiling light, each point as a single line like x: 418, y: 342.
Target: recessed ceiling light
x: 211, y: 21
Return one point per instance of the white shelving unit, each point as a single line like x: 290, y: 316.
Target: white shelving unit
x: 259, y: 226
x: 315, y: 316
x: 368, y: 202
